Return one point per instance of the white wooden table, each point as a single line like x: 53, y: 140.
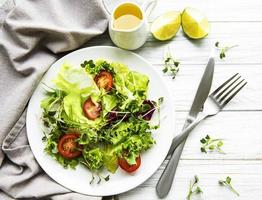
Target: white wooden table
x: 239, y: 124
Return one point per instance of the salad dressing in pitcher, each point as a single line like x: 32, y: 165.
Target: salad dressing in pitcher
x: 126, y: 22
x: 127, y: 16
x: 128, y: 25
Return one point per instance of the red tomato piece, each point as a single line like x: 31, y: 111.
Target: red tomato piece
x: 104, y: 80
x: 68, y: 147
x: 91, y: 110
x: 129, y: 168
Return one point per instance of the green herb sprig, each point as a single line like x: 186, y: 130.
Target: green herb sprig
x: 100, y: 177
x: 209, y: 144
x: 95, y: 68
x: 227, y: 183
x: 194, y: 188
x: 171, y: 65
x: 223, y: 49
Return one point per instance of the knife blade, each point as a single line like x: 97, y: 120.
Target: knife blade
x: 166, y: 179
x: 200, y: 97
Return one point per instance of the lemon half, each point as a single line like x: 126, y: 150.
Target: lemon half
x: 166, y: 26
x: 194, y: 23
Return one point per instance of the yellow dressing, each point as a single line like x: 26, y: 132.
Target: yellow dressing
x: 126, y: 22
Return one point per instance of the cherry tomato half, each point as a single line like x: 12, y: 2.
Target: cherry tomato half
x: 68, y: 147
x: 129, y: 168
x: 91, y: 110
x: 104, y: 80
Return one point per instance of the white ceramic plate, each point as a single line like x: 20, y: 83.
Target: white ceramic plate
x: 78, y: 180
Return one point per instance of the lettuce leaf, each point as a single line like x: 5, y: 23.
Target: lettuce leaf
x: 71, y: 79
x: 135, y: 145
x: 116, y: 135
x: 130, y: 139
x: 132, y: 85
x: 127, y: 136
x: 137, y: 83
x: 73, y: 109
x: 109, y: 103
x: 75, y: 82
x: 93, y: 159
x: 120, y: 68
x: 110, y: 159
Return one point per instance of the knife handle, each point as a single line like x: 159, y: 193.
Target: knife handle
x: 166, y: 179
x: 165, y: 182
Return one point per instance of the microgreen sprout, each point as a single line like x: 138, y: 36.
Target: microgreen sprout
x: 171, y: 66
x: 227, y: 183
x: 100, y: 177
x: 223, y: 49
x: 210, y: 144
x: 194, y: 188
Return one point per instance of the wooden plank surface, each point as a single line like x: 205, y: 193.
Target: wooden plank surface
x: 245, y: 34
x: 183, y: 88
x: 246, y: 178
x: 242, y: 161
x: 249, y: 99
x: 222, y: 10
x: 240, y: 124
x: 232, y: 22
x: 239, y: 130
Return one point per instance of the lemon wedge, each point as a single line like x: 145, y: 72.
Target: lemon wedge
x: 166, y: 26
x: 194, y: 23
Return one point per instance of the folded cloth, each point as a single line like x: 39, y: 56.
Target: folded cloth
x: 33, y: 34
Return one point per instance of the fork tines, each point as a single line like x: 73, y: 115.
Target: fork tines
x: 225, y: 92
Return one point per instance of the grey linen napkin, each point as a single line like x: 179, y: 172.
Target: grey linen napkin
x: 33, y: 34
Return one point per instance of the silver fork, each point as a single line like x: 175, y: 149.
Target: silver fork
x: 215, y: 102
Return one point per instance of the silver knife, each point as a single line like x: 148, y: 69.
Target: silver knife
x: 200, y: 97
x: 165, y: 182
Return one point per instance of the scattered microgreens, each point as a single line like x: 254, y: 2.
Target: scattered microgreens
x: 223, y: 49
x: 115, y: 125
x: 227, y: 183
x: 156, y: 107
x: 159, y: 102
x: 211, y: 144
x: 194, y: 188
x: 171, y: 66
x: 99, y: 178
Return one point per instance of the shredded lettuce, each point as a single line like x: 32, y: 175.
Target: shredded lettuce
x: 137, y: 83
x: 93, y: 159
x: 110, y: 159
x: 75, y: 82
x: 120, y: 131
x: 109, y: 103
x: 71, y: 79
x: 132, y: 85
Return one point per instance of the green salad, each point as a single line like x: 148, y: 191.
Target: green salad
x: 98, y: 115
